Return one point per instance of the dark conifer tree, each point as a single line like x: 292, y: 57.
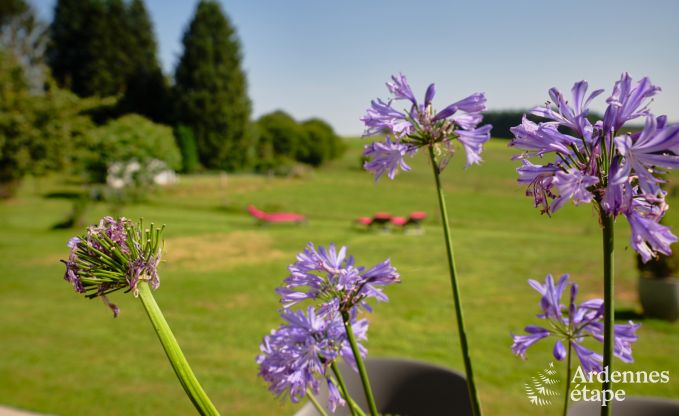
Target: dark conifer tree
x: 69, y: 46
x: 146, y: 89
x: 211, y: 92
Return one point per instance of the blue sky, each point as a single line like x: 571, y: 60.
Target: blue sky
x: 329, y: 59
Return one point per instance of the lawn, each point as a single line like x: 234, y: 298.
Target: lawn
x: 65, y: 355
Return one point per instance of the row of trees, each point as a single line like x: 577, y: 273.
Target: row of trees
x: 65, y: 90
x: 281, y: 141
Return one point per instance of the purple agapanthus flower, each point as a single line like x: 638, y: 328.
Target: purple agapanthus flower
x: 115, y: 254
x: 572, y: 325
x: 297, y: 356
x: 419, y: 125
x: 600, y: 161
x: 329, y: 274
x: 387, y: 157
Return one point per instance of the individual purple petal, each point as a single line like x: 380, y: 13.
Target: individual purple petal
x: 472, y: 141
x: 589, y: 360
x: 382, y: 274
x: 475, y: 103
x: 429, y: 94
x: 467, y: 121
x: 648, y: 236
x: 73, y: 242
x: 559, y: 351
x: 523, y: 342
x: 400, y: 88
x: 334, y: 396
x: 387, y: 157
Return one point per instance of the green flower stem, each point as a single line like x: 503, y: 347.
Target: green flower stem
x: 607, y: 222
x: 356, y: 407
x: 317, y: 405
x: 174, y: 353
x: 359, y: 363
x: 568, y: 381
x: 343, y: 389
x: 473, y: 395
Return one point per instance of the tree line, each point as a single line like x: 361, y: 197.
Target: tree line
x: 97, y: 61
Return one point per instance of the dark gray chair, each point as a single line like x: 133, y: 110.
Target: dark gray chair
x: 631, y: 406
x: 405, y: 388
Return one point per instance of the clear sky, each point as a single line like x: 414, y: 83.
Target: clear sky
x: 329, y: 59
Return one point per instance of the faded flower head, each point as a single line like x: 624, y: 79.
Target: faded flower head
x: 419, y: 125
x: 600, y: 161
x: 329, y: 274
x: 572, y: 325
x: 297, y: 356
x: 115, y: 254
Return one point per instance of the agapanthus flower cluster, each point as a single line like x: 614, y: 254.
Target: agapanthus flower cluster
x: 601, y: 161
x: 419, y: 126
x: 297, y: 356
x: 115, y: 254
x: 329, y: 275
x: 580, y: 322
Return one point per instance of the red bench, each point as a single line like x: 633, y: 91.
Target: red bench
x: 275, y: 217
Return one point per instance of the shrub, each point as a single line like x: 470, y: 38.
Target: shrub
x: 187, y: 146
x: 131, y: 137
x: 322, y: 143
x: 281, y: 140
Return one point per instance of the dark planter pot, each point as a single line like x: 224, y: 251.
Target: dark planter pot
x: 660, y: 297
x: 631, y: 406
x: 404, y: 387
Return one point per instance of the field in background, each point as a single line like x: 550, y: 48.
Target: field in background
x: 64, y: 355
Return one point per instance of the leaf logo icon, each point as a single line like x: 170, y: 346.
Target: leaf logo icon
x: 540, y: 389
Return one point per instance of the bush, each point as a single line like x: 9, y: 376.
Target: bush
x: 39, y: 133
x: 131, y: 137
x: 279, y: 135
x: 322, y: 143
x: 187, y: 146
x: 281, y: 140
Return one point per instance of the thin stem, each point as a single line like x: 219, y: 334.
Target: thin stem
x: 473, y: 395
x: 568, y: 381
x: 317, y: 405
x: 607, y: 222
x: 343, y: 388
x: 359, y: 363
x: 181, y: 367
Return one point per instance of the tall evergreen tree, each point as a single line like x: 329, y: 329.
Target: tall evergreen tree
x: 69, y: 52
x: 211, y: 91
x: 146, y: 90
x: 95, y: 45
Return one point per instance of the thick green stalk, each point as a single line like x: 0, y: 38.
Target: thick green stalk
x: 359, y: 363
x: 607, y: 222
x: 473, y: 395
x: 343, y: 388
x: 568, y: 381
x: 174, y: 353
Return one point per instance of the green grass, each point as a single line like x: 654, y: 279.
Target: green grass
x: 65, y: 355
